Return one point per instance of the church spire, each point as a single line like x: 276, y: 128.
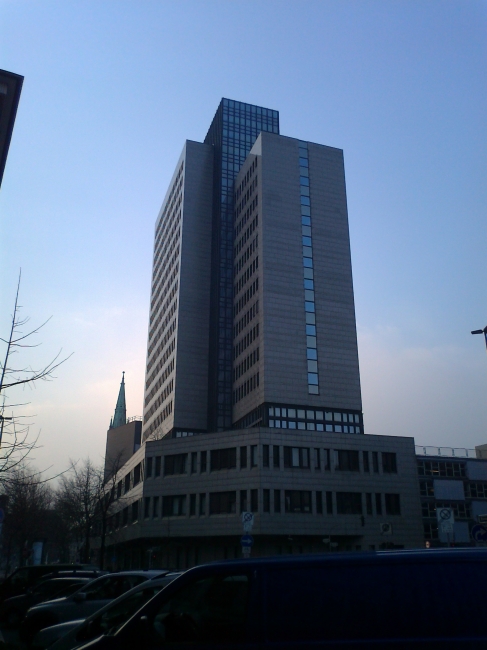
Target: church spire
x: 120, y: 415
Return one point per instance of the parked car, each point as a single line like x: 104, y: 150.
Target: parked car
x: 431, y: 599
x: 71, y: 634
x: 83, y: 602
x: 13, y: 610
x: 18, y: 581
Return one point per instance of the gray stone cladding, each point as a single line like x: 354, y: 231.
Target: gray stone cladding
x: 191, y: 381
x: 282, y: 342
x: 364, y: 530
x: 176, y: 376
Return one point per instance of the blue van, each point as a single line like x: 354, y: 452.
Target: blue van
x: 394, y: 599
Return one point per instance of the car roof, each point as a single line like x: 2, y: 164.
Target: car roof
x: 392, y: 556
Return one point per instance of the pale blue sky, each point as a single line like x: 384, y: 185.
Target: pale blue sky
x: 112, y: 90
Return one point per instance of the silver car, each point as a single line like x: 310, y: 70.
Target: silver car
x: 84, y: 602
x: 71, y: 634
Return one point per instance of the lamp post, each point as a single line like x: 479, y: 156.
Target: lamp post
x: 484, y: 332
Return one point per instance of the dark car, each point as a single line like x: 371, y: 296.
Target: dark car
x: 431, y: 599
x: 18, y: 581
x: 13, y: 610
x: 70, y: 635
x: 84, y: 602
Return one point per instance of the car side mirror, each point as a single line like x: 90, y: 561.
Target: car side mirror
x: 79, y: 597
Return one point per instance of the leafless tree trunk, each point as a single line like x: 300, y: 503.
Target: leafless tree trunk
x: 85, y: 502
x: 16, y: 441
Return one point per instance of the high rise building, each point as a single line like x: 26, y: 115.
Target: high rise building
x: 10, y: 89
x: 252, y: 310
x: 252, y: 342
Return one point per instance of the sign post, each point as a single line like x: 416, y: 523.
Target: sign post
x: 446, y: 519
x: 247, y: 540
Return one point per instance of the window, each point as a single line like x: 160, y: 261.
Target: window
x: 277, y: 500
x: 297, y: 501
x: 327, y: 459
x: 426, y: 489
x: 329, y: 503
x: 265, y: 456
x: 254, y: 501
x: 389, y: 463
x: 347, y: 460
x: 393, y: 504
x: 243, y: 457
x: 218, y: 603
x: 137, y: 469
x: 446, y: 469
x: 375, y: 461
x: 192, y: 504
x: 119, y: 489
x: 223, y: 459
x: 266, y: 500
x: 175, y: 464
x: 127, y: 483
x: 194, y: 462
x: 368, y: 503
x: 276, y: 457
x: 365, y: 457
x: 319, y: 503
x: 203, y: 461
x: 146, y: 507
x: 202, y: 504
x: 349, y: 503
x: 378, y: 504
x: 125, y: 516
x: 296, y: 457
x: 158, y: 466
x: 223, y: 503
x: 317, y: 459
x: 135, y: 511
x: 472, y: 490
x: 148, y: 467
x: 155, y: 507
x: 174, y: 506
x: 253, y: 455
x: 243, y: 500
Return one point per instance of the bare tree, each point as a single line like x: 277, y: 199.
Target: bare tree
x: 16, y: 441
x: 85, y: 502
x: 29, y: 503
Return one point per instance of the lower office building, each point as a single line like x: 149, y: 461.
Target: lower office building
x: 179, y: 505
x: 455, y: 479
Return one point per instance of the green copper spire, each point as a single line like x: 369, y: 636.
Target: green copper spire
x: 120, y: 415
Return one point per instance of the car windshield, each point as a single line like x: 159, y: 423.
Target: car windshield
x: 111, y: 587
x: 113, y: 618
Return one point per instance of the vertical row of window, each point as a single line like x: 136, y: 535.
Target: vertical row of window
x: 309, y: 293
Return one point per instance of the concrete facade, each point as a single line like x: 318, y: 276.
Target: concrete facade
x: 457, y: 483
x: 176, y: 393
x: 297, y: 520
x: 269, y: 239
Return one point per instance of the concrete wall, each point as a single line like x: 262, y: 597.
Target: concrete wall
x: 191, y: 382
x: 273, y: 529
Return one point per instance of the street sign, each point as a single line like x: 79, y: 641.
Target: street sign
x: 247, y: 521
x: 445, y: 515
x: 246, y: 541
x: 446, y: 527
x: 2, y: 515
x: 479, y: 533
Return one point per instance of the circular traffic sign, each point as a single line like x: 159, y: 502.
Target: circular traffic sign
x: 445, y: 514
x: 479, y: 533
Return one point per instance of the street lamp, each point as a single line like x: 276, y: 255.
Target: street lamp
x: 484, y: 332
